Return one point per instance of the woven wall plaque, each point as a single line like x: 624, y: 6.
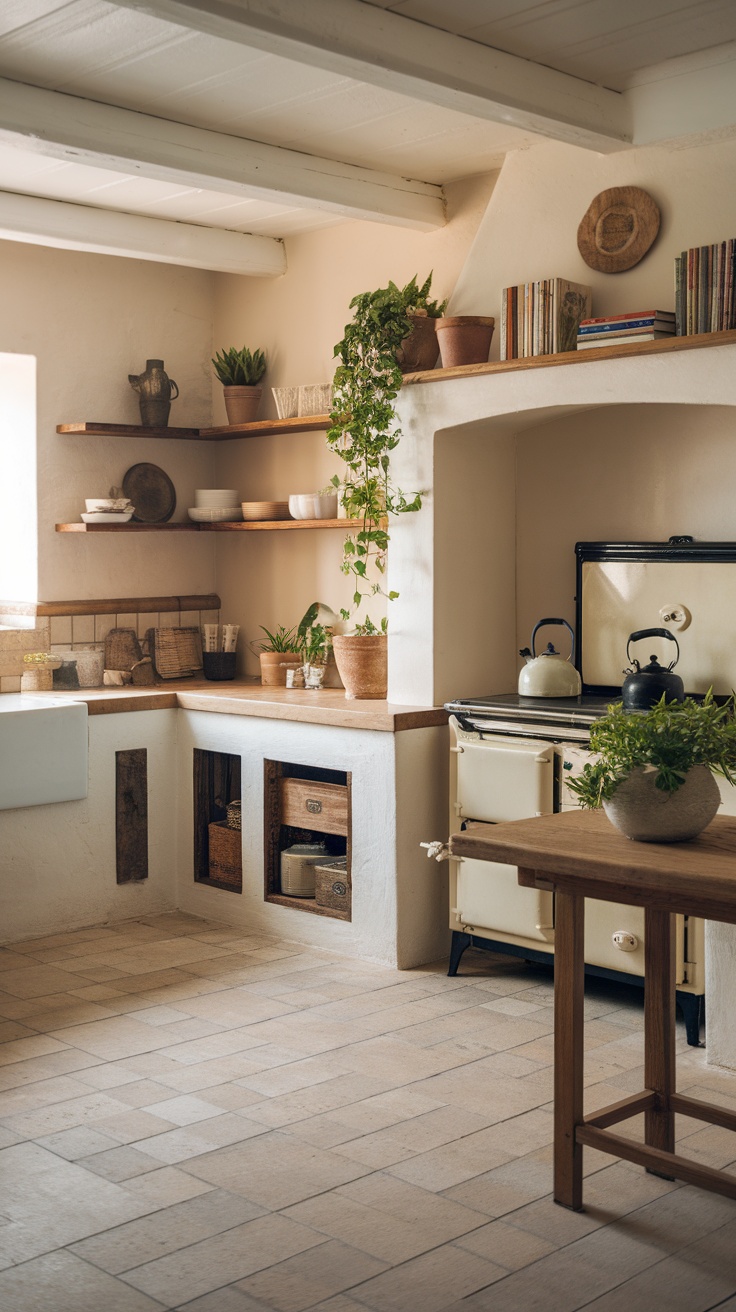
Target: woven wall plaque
x: 618, y: 229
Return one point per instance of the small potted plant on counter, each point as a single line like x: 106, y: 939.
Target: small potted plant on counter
x: 654, y: 776
x: 277, y: 653
x: 240, y: 373
x: 363, y: 432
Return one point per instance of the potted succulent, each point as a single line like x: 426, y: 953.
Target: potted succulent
x: 240, y: 373
x: 276, y: 653
x: 654, y: 776
x: 363, y: 433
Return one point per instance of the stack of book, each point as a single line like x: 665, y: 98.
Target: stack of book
x: 542, y: 318
x: 620, y: 329
x: 705, y: 296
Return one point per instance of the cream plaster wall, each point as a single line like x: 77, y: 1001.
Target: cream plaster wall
x: 529, y: 230
x: 271, y: 579
x: 90, y: 320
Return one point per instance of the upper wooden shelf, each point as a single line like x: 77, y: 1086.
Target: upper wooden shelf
x: 272, y: 427
x: 253, y: 526
x: 588, y: 356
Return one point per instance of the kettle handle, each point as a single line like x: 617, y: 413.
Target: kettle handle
x: 553, y: 621
x: 654, y: 633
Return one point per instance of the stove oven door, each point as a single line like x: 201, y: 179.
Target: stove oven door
x: 500, y: 778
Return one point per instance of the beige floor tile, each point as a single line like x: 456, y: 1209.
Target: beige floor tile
x: 90, y: 1107
x: 184, y: 1110
x: 230, y: 1299
x: 311, y: 1277
x: 329, y: 1095
x: 195, y: 1140
x: 166, y: 1231
x: 12, y: 1029
x: 275, y: 1170
x: 387, y: 1237
x: 82, y: 1141
x: 61, y: 1282
x: 40, y: 1093
x: 33, y: 981
x: 505, y: 1245
x: 437, y: 1216
x: 222, y: 1260
x: 131, y: 1126
x: 61, y: 1061
x: 20, y: 1050
x: 111, y: 1039
x: 165, y: 1186
x: 430, y: 1281
x: 118, y: 1163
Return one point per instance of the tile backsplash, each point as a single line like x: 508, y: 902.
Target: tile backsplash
x: 24, y: 627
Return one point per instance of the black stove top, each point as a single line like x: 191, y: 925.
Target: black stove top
x: 512, y: 709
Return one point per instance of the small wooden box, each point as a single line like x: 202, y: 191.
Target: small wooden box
x: 226, y: 854
x: 314, y: 805
x: 332, y: 886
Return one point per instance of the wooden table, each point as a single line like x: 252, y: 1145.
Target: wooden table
x: 579, y: 854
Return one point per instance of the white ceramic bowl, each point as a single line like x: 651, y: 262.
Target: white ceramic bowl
x: 108, y: 517
x: 216, y: 498
x: 214, y: 515
x: 313, y: 505
x: 295, y: 506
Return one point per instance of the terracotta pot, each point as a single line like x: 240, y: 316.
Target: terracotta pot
x: 418, y: 352
x: 363, y: 665
x: 643, y: 812
x: 274, y: 665
x: 242, y: 404
x: 464, y: 339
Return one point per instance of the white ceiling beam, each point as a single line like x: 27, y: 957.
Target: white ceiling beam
x: 41, y: 222
x: 689, y: 100
x: 372, y: 45
x: 105, y: 136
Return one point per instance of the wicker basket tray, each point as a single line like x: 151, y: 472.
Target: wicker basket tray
x: 177, y: 652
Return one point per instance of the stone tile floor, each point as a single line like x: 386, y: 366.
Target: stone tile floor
x: 194, y: 1118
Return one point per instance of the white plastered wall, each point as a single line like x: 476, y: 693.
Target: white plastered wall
x: 89, y: 321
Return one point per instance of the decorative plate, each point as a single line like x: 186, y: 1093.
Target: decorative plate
x: 152, y: 493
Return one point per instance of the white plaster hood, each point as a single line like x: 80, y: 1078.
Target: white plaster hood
x: 43, y: 750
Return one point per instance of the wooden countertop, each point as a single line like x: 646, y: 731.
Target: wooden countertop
x: 245, y: 697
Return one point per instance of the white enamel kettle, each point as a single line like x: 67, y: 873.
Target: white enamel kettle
x: 549, y: 674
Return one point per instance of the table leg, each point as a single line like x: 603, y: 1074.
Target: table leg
x: 569, y: 994
x: 659, y: 1026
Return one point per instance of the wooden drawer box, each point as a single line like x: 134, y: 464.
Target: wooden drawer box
x: 309, y: 804
x: 226, y: 854
x: 332, y: 886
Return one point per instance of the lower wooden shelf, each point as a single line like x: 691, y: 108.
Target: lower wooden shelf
x: 252, y: 526
x: 304, y: 904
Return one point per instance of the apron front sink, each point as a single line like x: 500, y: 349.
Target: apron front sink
x: 43, y: 750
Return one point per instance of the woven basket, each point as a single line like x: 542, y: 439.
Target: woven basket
x: 234, y: 815
x: 177, y: 652
x: 226, y: 857
x: 122, y: 649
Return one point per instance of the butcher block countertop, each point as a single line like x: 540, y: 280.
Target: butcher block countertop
x: 246, y: 697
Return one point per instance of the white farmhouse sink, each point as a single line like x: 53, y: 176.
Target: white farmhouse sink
x: 43, y: 750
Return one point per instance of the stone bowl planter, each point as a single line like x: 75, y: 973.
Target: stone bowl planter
x: 643, y: 812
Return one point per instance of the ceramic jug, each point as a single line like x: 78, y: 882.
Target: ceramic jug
x: 155, y: 394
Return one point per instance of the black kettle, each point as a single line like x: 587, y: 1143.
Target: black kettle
x: 643, y: 687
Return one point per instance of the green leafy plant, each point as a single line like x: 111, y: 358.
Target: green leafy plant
x: 239, y: 368
x: 672, y: 737
x: 282, y: 640
x: 314, y: 639
x: 363, y: 429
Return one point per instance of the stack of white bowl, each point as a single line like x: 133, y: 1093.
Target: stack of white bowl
x: 215, y: 505
x: 107, y: 510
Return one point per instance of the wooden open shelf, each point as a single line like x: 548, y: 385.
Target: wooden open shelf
x: 265, y: 428
x: 252, y: 526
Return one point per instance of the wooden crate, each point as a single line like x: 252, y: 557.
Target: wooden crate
x: 226, y: 854
x: 311, y: 804
x: 332, y: 886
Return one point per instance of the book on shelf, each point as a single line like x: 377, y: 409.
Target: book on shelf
x: 542, y: 318
x: 705, y: 296
x: 659, y: 321
x: 623, y: 339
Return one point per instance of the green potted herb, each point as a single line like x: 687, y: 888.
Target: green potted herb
x: 363, y: 432
x: 240, y: 373
x: 276, y: 653
x: 654, y: 772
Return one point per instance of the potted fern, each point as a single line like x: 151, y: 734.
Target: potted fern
x: 240, y: 372
x: 654, y: 772
x: 363, y: 432
x: 276, y: 653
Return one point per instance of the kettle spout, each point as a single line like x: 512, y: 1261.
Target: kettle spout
x: 526, y: 653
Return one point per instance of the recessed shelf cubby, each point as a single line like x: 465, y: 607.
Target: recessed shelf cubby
x: 304, y: 803
x: 216, y: 782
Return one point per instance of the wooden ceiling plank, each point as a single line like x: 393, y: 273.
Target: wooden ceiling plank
x: 83, y: 131
x: 371, y: 44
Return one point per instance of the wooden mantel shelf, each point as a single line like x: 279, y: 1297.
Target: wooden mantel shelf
x: 593, y: 354
x: 252, y: 526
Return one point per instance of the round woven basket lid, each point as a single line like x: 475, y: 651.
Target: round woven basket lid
x: 618, y: 229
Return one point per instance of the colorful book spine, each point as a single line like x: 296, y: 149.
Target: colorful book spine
x: 589, y: 329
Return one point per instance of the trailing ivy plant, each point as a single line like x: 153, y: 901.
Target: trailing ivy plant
x: 363, y: 430
x: 672, y: 737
